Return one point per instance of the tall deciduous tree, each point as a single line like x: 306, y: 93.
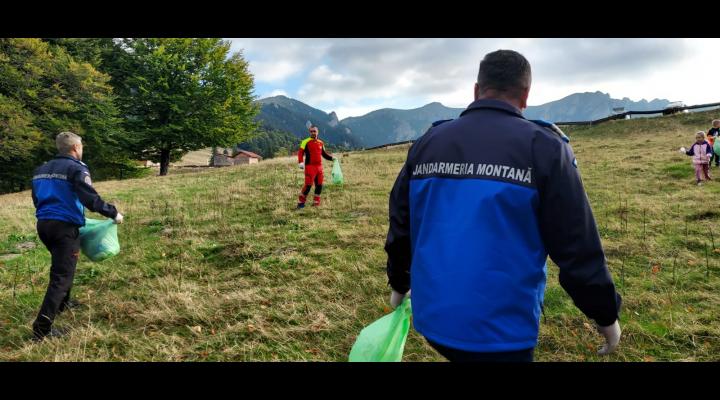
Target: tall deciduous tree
x: 44, y: 91
x: 180, y: 95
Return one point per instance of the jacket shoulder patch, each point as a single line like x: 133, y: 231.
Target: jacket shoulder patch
x: 551, y: 127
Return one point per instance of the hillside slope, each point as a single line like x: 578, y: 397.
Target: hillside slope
x: 217, y: 265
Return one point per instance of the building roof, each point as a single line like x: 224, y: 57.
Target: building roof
x: 247, y: 154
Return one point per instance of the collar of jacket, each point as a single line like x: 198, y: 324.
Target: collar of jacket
x: 69, y: 158
x: 494, y: 104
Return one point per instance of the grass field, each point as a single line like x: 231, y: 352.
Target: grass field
x: 217, y: 265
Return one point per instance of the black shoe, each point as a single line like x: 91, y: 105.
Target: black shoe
x: 39, y: 336
x: 72, y: 303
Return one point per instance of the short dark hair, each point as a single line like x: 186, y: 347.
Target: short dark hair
x: 506, y: 71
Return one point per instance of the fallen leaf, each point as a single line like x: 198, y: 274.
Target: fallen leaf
x: 655, y: 269
x: 648, y: 358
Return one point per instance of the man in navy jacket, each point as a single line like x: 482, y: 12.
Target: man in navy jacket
x: 474, y: 213
x: 60, y: 189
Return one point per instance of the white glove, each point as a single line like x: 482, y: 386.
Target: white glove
x: 301, y: 165
x: 683, y: 150
x: 612, y: 337
x: 397, y: 298
x: 118, y: 218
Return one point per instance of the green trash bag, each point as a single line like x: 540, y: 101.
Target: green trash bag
x: 99, y: 239
x: 337, y: 176
x: 384, y: 339
x: 716, y: 146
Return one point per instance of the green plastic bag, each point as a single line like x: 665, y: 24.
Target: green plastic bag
x: 99, y: 239
x: 384, y: 339
x: 337, y: 176
x: 716, y: 145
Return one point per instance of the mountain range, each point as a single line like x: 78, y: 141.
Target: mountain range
x: 389, y: 125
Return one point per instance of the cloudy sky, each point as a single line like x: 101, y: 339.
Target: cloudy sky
x: 355, y: 76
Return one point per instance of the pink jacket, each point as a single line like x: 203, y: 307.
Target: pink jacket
x: 701, y: 153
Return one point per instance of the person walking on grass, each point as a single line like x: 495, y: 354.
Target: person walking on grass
x: 715, y: 132
x: 701, y: 152
x: 60, y: 189
x: 310, y: 155
x: 479, y: 204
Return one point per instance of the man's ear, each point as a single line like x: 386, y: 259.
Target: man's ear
x: 524, y: 98
x: 477, y: 91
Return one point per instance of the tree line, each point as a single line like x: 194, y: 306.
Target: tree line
x: 129, y: 99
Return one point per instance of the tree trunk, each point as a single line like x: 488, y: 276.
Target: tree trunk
x: 164, y: 161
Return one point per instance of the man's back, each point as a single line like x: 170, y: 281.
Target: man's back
x: 478, y: 206
x: 473, y: 195
x: 54, y: 190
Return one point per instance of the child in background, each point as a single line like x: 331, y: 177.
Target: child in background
x: 701, y: 151
x: 711, y: 141
x: 715, y: 132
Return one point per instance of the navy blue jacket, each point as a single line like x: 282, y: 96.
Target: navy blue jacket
x: 60, y: 189
x: 479, y: 204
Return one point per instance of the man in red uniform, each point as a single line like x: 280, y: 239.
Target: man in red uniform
x: 312, y: 150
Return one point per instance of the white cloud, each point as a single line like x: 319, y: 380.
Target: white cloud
x: 276, y: 60
x: 276, y: 92
x: 347, y: 74
x: 356, y: 111
x: 273, y: 71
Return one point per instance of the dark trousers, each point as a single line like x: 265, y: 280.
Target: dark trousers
x: 62, y: 239
x: 455, y: 355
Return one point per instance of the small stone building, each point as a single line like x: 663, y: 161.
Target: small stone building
x: 241, y: 157
x: 245, y: 157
